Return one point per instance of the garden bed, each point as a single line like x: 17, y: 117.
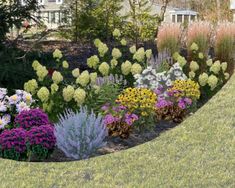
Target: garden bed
x: 115, y: 144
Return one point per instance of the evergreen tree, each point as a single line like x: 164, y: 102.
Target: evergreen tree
x: 141, y: 23
x: 92, y: 19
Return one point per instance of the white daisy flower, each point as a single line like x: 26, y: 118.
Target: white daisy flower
x: 21, y: 107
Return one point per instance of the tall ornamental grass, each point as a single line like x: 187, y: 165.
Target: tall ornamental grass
x: 168, y: 38
x: 224, y: 43
x: 199, y: 33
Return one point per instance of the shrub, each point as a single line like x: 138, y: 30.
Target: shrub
x: 31, y: 118
x: 80, y: 134
x: 168, y: 38
x: 13, y: 144
x: 119, y: 60
x: 118, y: 120
x: 41, y: 141
x: 101, y: 95
x: 211, y: 75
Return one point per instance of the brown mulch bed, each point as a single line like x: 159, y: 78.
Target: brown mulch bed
x: 115, y: 144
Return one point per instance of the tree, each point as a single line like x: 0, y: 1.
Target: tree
x: 94, y: 18
x: 13, y: 13
x: 206, y: 9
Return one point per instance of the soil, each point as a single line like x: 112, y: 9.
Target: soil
x: 115, y: 144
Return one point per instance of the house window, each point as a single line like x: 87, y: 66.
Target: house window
x: 186, y: 18
x: 179, y: 18
x: 173, y: 18
x: 52, y: 18
x: 193, y: 17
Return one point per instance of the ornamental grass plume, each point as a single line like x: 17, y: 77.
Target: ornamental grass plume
x: 224, y: 43
x: 199, y: 33
x: 169, y: 36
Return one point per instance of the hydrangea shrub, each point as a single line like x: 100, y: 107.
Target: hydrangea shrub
x: 80, y: 134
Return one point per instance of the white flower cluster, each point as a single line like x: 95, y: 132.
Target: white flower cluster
x: 153, y: 80
x: 13, y: 105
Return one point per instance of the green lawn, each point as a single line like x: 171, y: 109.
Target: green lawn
x: 198, y: 153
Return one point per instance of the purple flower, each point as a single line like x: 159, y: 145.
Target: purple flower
x: 162, y: 103
x: 182, y: 104
x: 109, y: 119
x: 130, y: 118
x: 30, y: 118
x: 105, y: 107
x: 13, y: 139
x: 188, y: 101
x: 43, y: 135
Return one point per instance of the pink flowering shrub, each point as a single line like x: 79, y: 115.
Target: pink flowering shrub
x: 31, y: 118
x: 118, y: 120
x: 13, y: 144
x: 41, y: 140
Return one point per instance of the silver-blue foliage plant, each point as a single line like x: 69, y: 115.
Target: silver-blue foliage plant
x: 80, y: 134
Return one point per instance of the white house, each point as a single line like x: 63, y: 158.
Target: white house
x: 232, y: 7
x: 53, y: 16
x: 172, y: 14
x: 51, y: 13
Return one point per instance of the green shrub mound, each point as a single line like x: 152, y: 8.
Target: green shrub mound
x: 198, y: 153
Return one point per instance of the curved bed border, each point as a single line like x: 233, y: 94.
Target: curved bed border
x: 200, y: 152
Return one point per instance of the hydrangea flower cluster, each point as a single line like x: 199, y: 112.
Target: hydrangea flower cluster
x: 10, y: 106
x: 118, y: 120
x: 31, y: 118
x: 212, y: 74
x: 152, y: 80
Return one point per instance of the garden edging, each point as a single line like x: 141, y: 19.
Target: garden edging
x: 199, y: 152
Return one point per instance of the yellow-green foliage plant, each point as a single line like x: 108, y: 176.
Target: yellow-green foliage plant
x: 224, y: 43
x: 211, y: 75
x: 60, y: 88
x: 169, y: 37
x: 121, y: 60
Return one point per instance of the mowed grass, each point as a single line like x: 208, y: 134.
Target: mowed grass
x: 198, y: 153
